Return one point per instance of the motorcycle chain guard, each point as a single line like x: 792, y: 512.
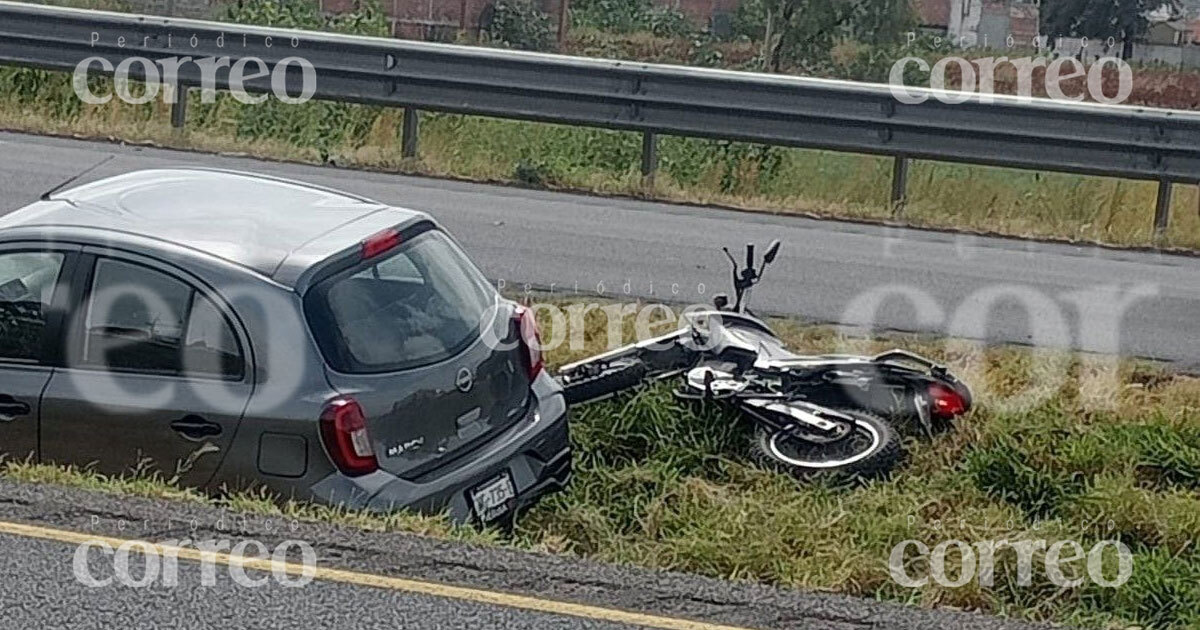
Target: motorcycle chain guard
x: 800, y: 420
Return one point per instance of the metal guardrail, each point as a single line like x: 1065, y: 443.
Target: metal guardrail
x: 1138, y: 143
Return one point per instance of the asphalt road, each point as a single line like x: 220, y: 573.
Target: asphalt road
x: 42, y: 526
x: 1053, y: 295
x: 41, y: 591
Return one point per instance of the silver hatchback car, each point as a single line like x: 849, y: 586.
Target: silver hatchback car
x: 229, y: 330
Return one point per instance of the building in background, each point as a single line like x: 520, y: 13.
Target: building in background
x: 997, y: 24
x: 1171, y: 33
x: 1171, y: 42
x: 441, y: 20
x: 933, y: 16
x: 438, y: 20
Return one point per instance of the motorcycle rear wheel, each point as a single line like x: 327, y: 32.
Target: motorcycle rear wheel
x: 872, y: 449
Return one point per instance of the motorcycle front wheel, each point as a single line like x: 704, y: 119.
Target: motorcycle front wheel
x: 871, y: 449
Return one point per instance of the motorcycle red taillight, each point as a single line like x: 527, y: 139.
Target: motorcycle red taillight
x: 344, y: 431
x: 530, y: 341
x: 945, y: 402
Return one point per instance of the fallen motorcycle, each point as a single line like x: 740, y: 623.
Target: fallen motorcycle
x: 811, y: 413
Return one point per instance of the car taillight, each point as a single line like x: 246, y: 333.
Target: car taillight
x: 530, y: 341
x: 344, y: 430
x: 945, y: 402
x: 380, y: 242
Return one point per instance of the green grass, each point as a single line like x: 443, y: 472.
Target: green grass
x: 664, y: 484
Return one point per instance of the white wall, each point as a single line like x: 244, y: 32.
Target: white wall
x: 964, y: 21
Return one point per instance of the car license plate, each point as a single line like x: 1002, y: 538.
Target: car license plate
x: 494, y: 498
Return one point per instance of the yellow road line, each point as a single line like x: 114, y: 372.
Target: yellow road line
x: 481, y: 596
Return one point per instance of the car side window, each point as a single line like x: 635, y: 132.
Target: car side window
x: 140, y: 319
x: 27, y: 281
x: 209, y: 346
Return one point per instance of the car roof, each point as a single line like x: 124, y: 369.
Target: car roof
x: 274, y: 226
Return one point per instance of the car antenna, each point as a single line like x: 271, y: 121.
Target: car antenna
x: 67, y: 182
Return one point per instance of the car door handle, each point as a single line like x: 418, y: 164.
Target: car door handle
x: 196, y: 428
x: 10, y: 408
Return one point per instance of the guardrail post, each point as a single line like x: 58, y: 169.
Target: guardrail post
x: 408, y: 141
x: 649, y: 157
x: 179, y: 107
x: 1162, y: 209
x: 899, y: 184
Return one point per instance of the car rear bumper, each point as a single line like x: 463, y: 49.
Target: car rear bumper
x: 536, y: 452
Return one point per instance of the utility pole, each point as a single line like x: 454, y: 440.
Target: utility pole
x: 462, y: 21
x: 564, y: 8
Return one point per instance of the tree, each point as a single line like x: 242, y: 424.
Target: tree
x: 800, y: 31
x: 519, y: 24
x: 797, y: 28
x: 1125, y: 20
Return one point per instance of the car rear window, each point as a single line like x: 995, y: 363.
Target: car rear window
x: 417, y: 305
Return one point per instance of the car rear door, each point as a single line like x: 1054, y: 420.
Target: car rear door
x: 155, y: 375
x: 33, y: 289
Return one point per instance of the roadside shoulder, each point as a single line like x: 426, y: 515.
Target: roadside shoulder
x: 412, y: 557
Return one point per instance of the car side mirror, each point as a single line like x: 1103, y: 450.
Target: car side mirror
x: 772, y: 251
